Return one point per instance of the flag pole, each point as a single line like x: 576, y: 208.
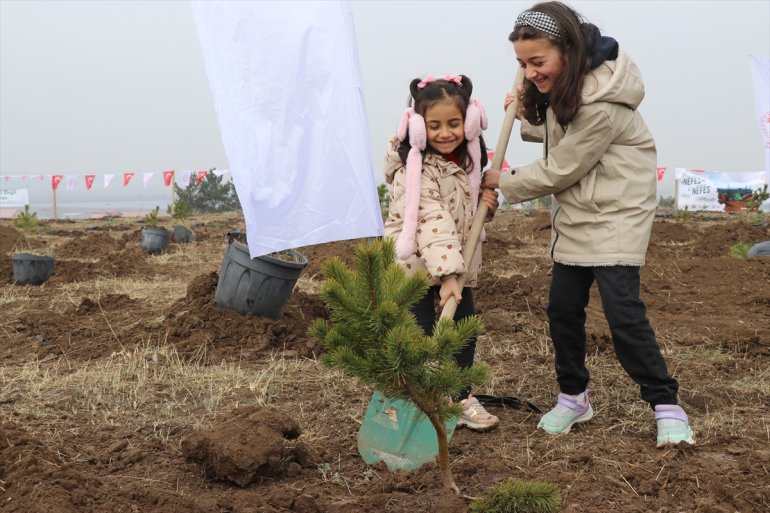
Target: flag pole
x: 173, y: 202
x: 53, y: 190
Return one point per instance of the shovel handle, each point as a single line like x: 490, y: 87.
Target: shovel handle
x: 481, y: 211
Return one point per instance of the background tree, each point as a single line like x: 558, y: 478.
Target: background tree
x: 212, y: 194
x: 372, y: 335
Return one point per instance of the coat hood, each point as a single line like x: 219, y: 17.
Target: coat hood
x: 614, y: 81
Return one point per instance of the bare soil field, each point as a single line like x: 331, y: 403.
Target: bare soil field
x: 124, y: 388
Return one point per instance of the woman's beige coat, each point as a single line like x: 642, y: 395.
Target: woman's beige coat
x: 601, y: 171
x: 444, y: 216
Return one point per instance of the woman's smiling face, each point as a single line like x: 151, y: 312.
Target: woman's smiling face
x: 444, y: 126
x: 541, y: 60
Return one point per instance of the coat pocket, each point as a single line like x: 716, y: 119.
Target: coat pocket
x: 588, y: 193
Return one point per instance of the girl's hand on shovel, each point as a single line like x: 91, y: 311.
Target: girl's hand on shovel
x: 449, y: 288
x: 489, y: 197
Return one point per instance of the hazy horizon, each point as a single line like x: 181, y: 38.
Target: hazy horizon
x: 114, y: 86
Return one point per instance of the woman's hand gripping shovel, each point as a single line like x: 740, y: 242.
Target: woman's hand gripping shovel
x: 395, y: 431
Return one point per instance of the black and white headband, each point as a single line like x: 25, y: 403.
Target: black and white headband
x: 538, y: 20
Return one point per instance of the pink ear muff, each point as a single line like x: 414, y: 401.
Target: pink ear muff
x: 417, y: 139
x: 403, y: 124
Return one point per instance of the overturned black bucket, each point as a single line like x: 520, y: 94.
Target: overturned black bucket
x: 31, y: 269
x: 154, y: 240
x: 260, y: 286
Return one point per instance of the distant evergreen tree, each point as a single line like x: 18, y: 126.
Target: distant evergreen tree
x: 212, y: 194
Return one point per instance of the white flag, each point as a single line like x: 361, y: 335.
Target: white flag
x: 287, y: 91
x: 184, y: 177
x: 108, y: 178
x: 760, y: 71
x: 70, y: 181
x: 146, y: 176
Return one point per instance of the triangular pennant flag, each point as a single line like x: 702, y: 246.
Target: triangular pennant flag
x: 168, y: 177
x: 184, y: 177
x: 23, y: 177
x: 70, y: 181
x: 55, y: 179
x: 491, y: 156
x: 108, y: 178
x: 661, y: 171
x: 42, y: 177
x: 220, y: 172
x: 146, y: 177
x: 89, y: 181
x: 6, y: 178
x: 127, y: 178
x: 200, y: 175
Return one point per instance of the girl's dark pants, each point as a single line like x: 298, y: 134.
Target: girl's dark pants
x: 425, y: 310
x: 633, y: 337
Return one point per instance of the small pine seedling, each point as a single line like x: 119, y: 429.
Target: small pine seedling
x: 25, y: 219
x: 152, y: 218
x: 514, y: 496
x: 740, y: 250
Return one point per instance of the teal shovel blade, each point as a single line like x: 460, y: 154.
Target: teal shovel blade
x: 399, y: 434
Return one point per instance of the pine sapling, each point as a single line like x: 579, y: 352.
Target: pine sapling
x: 514, y: 496
x: 372, y: 335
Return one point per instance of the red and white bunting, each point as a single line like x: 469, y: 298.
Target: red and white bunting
x: 184, y: 177
x: 504, y: 166
x: 89, y: 181
x: 69, y: 181
x: 168, y: 177
x: 55, y: 179
x: 108, y: 178
x: 127, y: 177
x: 200, y: 175
x: 661, y: 171
x: 146, y: 177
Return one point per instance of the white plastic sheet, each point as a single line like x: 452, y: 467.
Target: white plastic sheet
x: 287, y: 90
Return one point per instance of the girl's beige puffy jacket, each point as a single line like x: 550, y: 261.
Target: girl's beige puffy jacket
x: 444, y: 217
x: 601, y: 171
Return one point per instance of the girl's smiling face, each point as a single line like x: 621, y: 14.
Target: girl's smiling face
x: 444, y: 125
x: 541, y: 60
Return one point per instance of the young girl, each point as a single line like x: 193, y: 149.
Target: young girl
x: 581, y: 93
x: 434, y: 167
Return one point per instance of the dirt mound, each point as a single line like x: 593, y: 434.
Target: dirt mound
x: 196, y: 322
x: 90, y: 245
x: 250, y: 445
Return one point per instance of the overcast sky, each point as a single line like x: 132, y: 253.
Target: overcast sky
x: 114, y: 86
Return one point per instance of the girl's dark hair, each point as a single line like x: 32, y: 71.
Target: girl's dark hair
x: 575, y: 47
x: 437, y: 91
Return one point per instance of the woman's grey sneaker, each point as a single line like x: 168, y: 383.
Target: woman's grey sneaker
x: 569, y: 409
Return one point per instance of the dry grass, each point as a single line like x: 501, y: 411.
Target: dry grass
x: 148, y: 384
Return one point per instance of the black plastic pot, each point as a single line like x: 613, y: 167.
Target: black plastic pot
x: 182, y: 235
x: 760, y: 249
x: 154, y: 240
x: 260, y: 286
x: 32, y: 269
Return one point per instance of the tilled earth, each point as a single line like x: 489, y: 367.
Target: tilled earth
x: 102, y: 408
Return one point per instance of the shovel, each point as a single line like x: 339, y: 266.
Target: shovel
x: 396, y: 431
